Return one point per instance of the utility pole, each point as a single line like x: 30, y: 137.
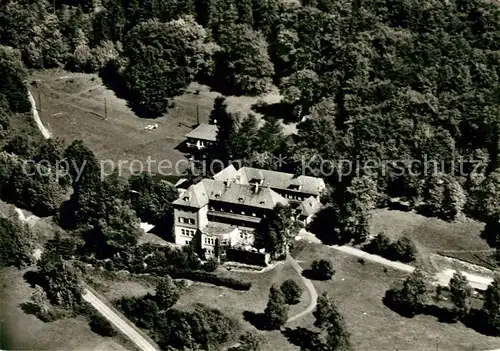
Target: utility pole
x: 39, y: 100
x: 105, y: 109
x: 197, y: 114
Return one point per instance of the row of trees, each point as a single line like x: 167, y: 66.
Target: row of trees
x: 413, y: 297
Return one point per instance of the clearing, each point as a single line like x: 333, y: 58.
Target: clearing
x: 79, y: 106
x: 21, y: 331
x: 459, y: 239
x: 358, y: 290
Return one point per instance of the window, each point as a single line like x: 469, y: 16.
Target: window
x: 188, y: 242
x: 183, y: 232
x: 254, y: 214
x: 191, y: 221
x: 242, y: 212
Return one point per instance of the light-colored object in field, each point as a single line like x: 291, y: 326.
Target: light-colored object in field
x: 146, y: 227
x: 151, y: 126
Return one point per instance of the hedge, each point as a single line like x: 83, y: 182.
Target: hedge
x: 207, y: 277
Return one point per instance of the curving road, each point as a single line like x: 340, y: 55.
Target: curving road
x: 310, y: 287
x: 45, y: 132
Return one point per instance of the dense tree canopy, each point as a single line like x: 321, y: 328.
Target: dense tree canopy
x: 163, y: 58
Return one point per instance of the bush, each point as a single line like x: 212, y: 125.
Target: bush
x: 402, y: 250
x: 102, y: 326
x: 210, y: 265
x: 322, y: 269
x: 291, y: 291
x: 206, y: 277
x: 53, y: 314
x: 379, y: 245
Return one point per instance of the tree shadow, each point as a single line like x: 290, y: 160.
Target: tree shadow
x: 278, y: 110
x: 304, y: 338
x: 258, y: 320
x: 475, y: 320
x: 30, y: 308
x: 33, y: 278
x: 310, y: 274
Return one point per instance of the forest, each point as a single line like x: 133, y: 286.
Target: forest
x: 399, y: 80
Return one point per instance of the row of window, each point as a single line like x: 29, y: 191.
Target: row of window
x: 293, y: 197
x: 188, y: 232
x: 187, y: 220
x: 210, y: 241
x: 210, y: 252
x: 220, y: 209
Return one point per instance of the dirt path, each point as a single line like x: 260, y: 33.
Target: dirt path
x: 442, y: 278
x: 310, y: 287
x: 117, y: 321
x: 45, y: 132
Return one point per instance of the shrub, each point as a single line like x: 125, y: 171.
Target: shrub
x: 102, y: 326
x: 206, y: 277
x: 322, y: 269
x: 291, y: 291
x: 403, y: 250
x: 379, y: 245
x: 210, y: 265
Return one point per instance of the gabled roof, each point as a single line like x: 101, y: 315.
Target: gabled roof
x: 309, y: 206
x: 200, y: 194
x: 272, y: 179
x: 203, y: 132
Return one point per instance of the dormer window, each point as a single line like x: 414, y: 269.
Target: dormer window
x: 240, y: 199
x: 262, y: 202
x: 186, y: 198
x: 294, y: 187
x: 217, y: 196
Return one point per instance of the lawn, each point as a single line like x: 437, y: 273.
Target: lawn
x: 73, y: 107
x: 234, y: 303
x: 460, y: 239
x: 20, y: 331
x: 358, y: 290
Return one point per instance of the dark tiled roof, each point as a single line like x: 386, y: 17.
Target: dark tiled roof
x: 273, y: 179
x: 200, y: 194
x: 203, y: 132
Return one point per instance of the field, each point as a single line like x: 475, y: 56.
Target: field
x: 73, y: 107
x: 358, y: 290
x: 20, y: 331
x: 460, y: 239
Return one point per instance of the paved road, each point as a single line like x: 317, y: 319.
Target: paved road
x: 118, y: 322
x: 45, y: 132
x: 310, y: 287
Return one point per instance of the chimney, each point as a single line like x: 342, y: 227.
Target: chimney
x: 256, y: 187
